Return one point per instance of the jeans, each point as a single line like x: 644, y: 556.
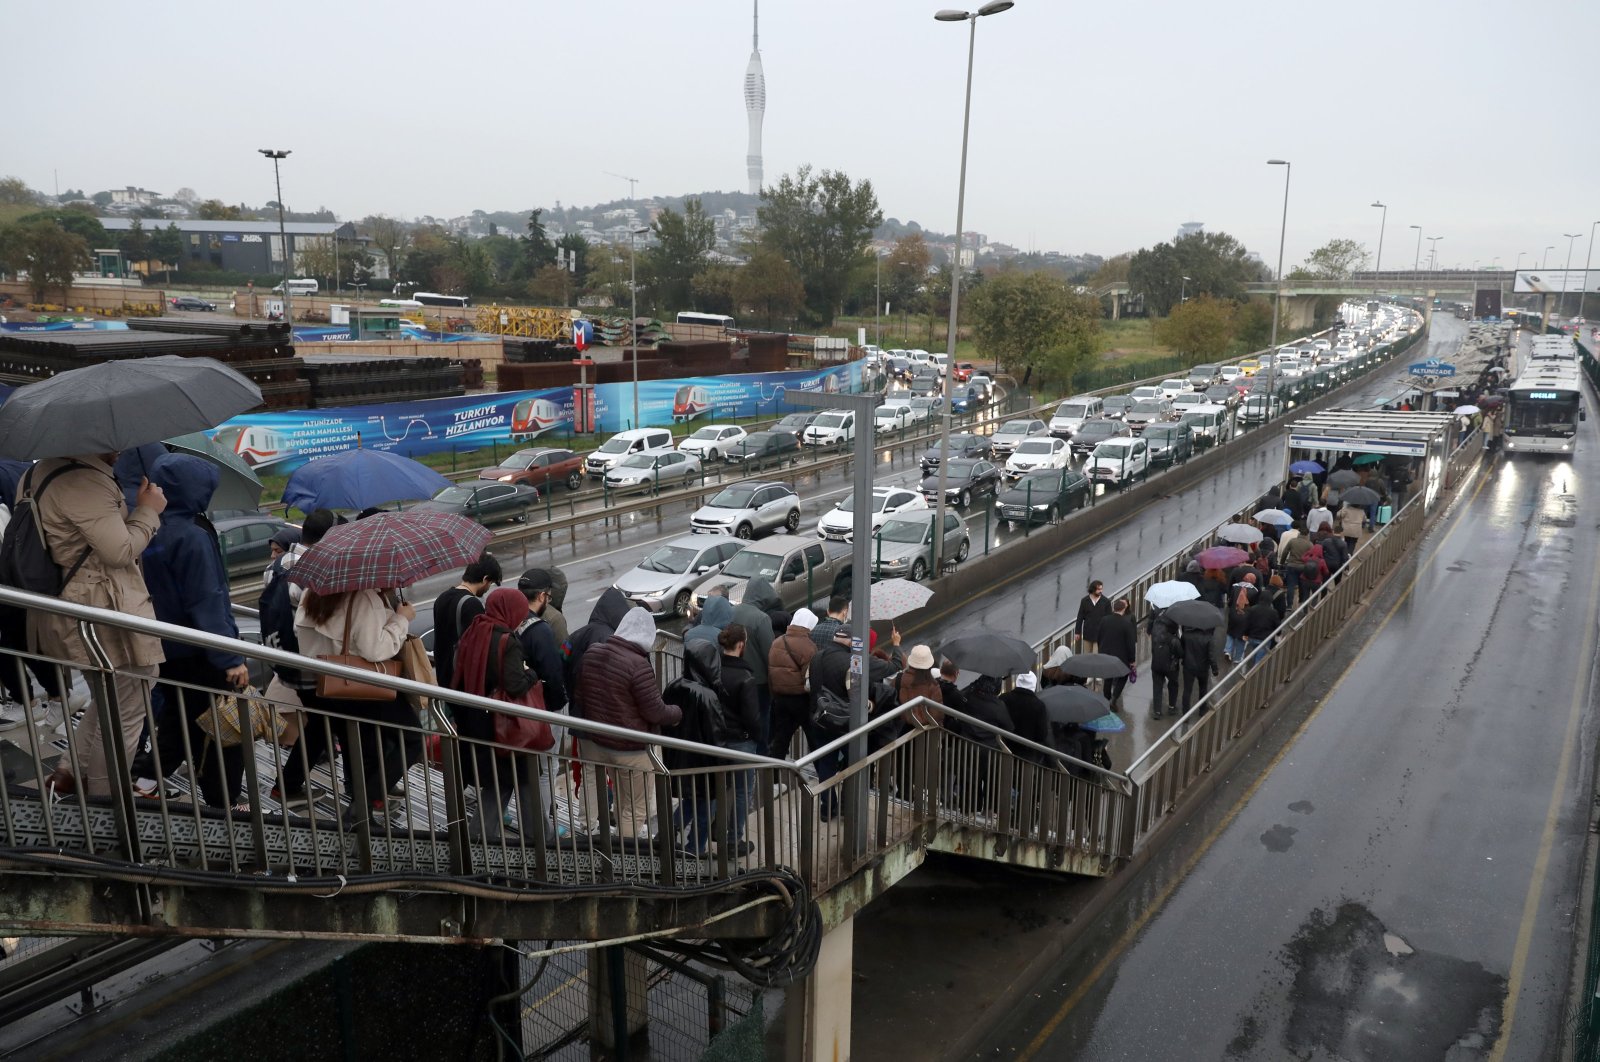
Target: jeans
x: 706, y: 809
x: 827, y: 766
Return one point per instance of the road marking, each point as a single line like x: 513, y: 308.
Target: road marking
x: 1137, y: 927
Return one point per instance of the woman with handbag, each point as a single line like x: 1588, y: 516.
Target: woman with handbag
x: 490, y: 663
x: 360, y: 629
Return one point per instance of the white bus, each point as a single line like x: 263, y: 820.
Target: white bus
x: 400, y: 304
x: 715, y: 320
x: 1543, y: 408
x: 429, y: 298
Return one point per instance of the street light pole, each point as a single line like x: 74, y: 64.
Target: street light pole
x: 1433, y: 253
x: 1183, y: 291
x: 283, y: 235
x: 994, y: 7
x: 1568, y: 270
x: 1377, y: 269
x: 1588, y: 256
x: 877, y: 308
x: 633, y: 325
x: 1416, y: 262
x: 1277, y: 300
x: 1545, y: 264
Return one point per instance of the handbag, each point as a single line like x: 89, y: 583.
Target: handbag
x: 338, y: 688
x: 221, y: 721
x: 1133, y: 674
x: 518, y: 731
x: 831, y: 711
x: 414, y: 662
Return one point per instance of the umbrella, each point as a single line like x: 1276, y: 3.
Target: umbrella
x: 1171, y: 592
x: 389, y: 550
x: 1110, y: 723
x: 1276, y: 517
x: 1492, y: 402
x: 1243, y: 534
x: 1306, y: 466
x: 1359, y: 496
x: 1073, y: 704
x: 1368, y: 459
x: 359, y: 479
x: 116, y: 405
x: 239, y: 486
x: 989, y: 653
x: 1343, y: 478
x: 1466, y: 411
x: 1196, y: 614
x: 895, y: 597
x: 1095, y: 666
x: 1499, y: 369
x: 1221, y: 557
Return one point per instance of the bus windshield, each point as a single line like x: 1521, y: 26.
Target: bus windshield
x: 1544, y: 411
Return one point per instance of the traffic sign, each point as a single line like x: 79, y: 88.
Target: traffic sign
x: 1432, y: 367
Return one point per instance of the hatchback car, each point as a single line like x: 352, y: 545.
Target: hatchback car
x: 903, y: 547
x: 762, y: 448
x: 1038, y: 453
x: 653, y: 469
x: 1223, y: 395
x: 1043, y: 495
x: 538, y: 468
x: 886, y: 419
x: 838, y: 523
x: 487, y: 503
x: 1169, y: 443
x: 712, y: 442
x: 663, y: 582
x: 962, y: 444
x: 967, y: 478
x: 744, y: 509
x: 1010, y: 434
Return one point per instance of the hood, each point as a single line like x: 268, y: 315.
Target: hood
x: 135, y: 464
x: 702, y: 662
x: 640, y: 581
x: 558, y: 592
x: 718, y: 613
x: 188, y: 482
x: 638, y: 628
x: 610, y: 609
x: 758, y: 592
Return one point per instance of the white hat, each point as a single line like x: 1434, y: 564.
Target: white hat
x: 804, y: 618
x: 920, y: 658
x: 1027, y: 681
x: 1058, y: 657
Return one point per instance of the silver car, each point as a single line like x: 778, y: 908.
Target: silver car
x: 652, y: 468
x: 664, y: 581
x: 746, y: 508
x: 903, y: 546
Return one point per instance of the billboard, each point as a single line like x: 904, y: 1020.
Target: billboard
x: 285, y: 440
x: 1555, y: 281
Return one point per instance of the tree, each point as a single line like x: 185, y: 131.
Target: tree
x: 682, y: 242
x: 505, y: 257
x: 537, y: 250
x: 186, y: 196
x: 78, y: 220
x: 135, y: 243
x: 906, y: 273
x: 1215, y: 263
x: 1336, y: 260
x: 1202, y: 327
x: 821, y: 224
x: 472, y: 266
x: 51, y: 255
x: 551, y: 286
x: 430, y: 247
x: 712, y: 288
x: 608, y: 274
x: 166, y: 247
x: 769, y: 287
x: 1034, y: 321
x: 15, y: 192
x: 101, y: 199
x: 1252, y: 324
x: 575, y: 250
x: 1114, y: 271
x: 216, y: 210
x: 70, y: 194
x: 389, y: 238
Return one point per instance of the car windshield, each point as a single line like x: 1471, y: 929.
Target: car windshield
x: 707, y: 433
x: 754, y: 442
x: 1190, y: 399
x: 750, y: 564
x: 828, y: 420
x: 615, y: 446
x: 733, y: 498
x: 889, y: 412
x: 1149, y: 406
x: 1165, y: 431
x: 517, y: 462
x: 1037, y: 446
x: 905, y: 531
x: 878, y: 502
x: 639, y: 461
x: 454, y: 496
x: 1116, y: 450
x: 674, y: 560
x: 1014, y: 427
x: 1099, y: 427
x: 962, y: 469
x: 1036, y: 482
x: 1116, y: 402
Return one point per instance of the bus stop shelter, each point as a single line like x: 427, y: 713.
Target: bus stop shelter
x: 1419, y: 442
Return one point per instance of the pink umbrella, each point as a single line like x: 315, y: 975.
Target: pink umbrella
x: 389, y: 550
x: 1215, y: 557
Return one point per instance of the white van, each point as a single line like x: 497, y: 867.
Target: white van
x: 1072, y: 412
x: 833, y: 427
x: 919, y: 356
x: 298, y: 287
x: 625, y: 444
x: 1206, y: 422
x: 940, y: 362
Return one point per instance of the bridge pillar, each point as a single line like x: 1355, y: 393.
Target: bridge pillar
x: 1116, y: 306
x: 619, y: 984
x: 818, y: 1008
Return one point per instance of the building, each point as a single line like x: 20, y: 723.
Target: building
x: 250, y: 246
x: 1190, y: 228
x: 134, y: 197
x: 755, y: 104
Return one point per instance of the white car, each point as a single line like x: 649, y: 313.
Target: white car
x: 838, y: 524
x: 1322, y: 344
x: 1038, y: 453
x: 712, y: 442
x: 891, y: 418
x: 1173, y: 388
x: 1141, y: 393
x: 1229, y: 373
x: 920, y: 410
x: 833, y: 427
x: 650, y: 469
x: 1118, y: 461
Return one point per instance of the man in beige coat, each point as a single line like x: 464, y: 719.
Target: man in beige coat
x: 83, y: 515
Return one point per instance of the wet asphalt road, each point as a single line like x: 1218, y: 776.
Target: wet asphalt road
x: 1403, y: 884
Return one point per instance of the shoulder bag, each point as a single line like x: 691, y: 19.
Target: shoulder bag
x: 518, y: 731
x: 338, y: 688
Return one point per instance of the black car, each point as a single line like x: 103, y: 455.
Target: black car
x: 763, y: 448
x: 796, y: 423
x: 968, y: 478
x: 1042, y: 495
x: 961, y: 445
x: 927, y: 382
x: 247, y: 541
x: 1114, y: 406
x: 1223, y: 395
x: 1095, y: 431
x: 899, y: 367
x: 487, y: 503
x: 189, y: 302
x: 1169, y: 443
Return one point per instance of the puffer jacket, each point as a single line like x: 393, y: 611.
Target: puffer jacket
x: 603, y: 620
x: 759, y: 600
x: 617, y: 685
x: 790, y: 661
x: 183, y: 565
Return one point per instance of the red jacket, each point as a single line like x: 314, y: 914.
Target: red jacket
x: 619, y: 687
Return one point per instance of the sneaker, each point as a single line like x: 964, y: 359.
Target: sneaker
x: 735, y: 848
x: 77, y: 700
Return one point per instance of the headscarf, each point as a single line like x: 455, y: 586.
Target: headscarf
x: 503, y: 610
x: 805, y: 619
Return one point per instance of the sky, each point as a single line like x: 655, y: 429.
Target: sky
x: 1096, y: 127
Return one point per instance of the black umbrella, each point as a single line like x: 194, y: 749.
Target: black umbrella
x: 1095, y: 666
x: 1359, y: 496
x: 1073, y: 704
x: 1195, y: 614
x: 987, y: 653
x: 116, y: 405
x: 1343, y: 478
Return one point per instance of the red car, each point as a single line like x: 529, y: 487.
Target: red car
x: 538, y: 468
x: 964, y: 372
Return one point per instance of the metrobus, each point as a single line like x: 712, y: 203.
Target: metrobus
x: 715, y: 320
x: 429, y: 298
x: 400, y: 304
x: 1543, y: 408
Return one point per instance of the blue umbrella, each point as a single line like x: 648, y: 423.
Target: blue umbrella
x: 360, y: 479
x: 1110, y: 723
x: 1303, y: 467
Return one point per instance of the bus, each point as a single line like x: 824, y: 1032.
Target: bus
x: 715, y: 320
x: 400, y: 304
x: 1543, y: 408
x: 429, y: 298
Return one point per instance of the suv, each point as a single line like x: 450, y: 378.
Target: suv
x: 801, y: 570
x: 903, y: 546
x: 1119, y: 461
x: 538, y: 468
x: 1038, y: 453
x: 712, y: 442
x: 624, y: 444
x: 1146, y: 412
x: 833, y: 427
x: 745, y: 508
x: 1095, y: 432
x: 662, y: 582
x: 1007, y: 437
x: 838, y: 524
x: 1169, y: 443
x: 762, y: 448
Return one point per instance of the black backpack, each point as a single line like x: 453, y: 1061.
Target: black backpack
x: 25, y: 560
x: 277, y: 628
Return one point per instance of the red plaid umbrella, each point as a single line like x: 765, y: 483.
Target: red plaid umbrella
x: 389, y: 550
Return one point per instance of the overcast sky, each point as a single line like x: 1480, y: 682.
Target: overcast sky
x: 1097, y: 127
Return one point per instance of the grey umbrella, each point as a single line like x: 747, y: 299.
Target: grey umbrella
x: 238, y: 486
x: 1199, y: 615
x: 1095, y: 665
x: 1343, y: 478
x: 120, y: 404
x: 1073, y: 704
x: 988, y: 653
x: 1359, y: 496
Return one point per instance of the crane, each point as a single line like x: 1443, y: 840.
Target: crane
x: 632, y: 182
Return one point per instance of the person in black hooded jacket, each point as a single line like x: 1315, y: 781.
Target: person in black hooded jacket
x: 608, y: 612
x: 697, y: 692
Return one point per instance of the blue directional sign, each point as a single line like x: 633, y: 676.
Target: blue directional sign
x: 1432, y: 367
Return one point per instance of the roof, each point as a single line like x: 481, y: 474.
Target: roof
x: 266, y: 228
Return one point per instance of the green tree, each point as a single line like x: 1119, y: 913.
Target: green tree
x: 769, y: 287
x: 712, y: 288
x: 80, y: 221
x: 166, y: 247
x: 1215, y: 263
x: 551, y: 286
x: 821, y: 224
x: 135, y: 243
x: 428, y: 253
x: 1034, y: 321
x: 1114, y: 271
x: 389, y: 237
x: 217, y: 210
x: 101, y: 199
x: 474, y: 269
x: 682, y: 243
x: 1335, y: 260
x: 1252, y: 324
x: 575, y: 249
x: 906, y: 273
x: 505, y: 257
x: 51, y: 255
x: 537, y: 250
x: 15, y: 192
x: 1202, y: 327
x: 608, y: 274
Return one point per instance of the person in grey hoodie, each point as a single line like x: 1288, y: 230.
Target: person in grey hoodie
x: 755, y: 613
x: 717, y: 614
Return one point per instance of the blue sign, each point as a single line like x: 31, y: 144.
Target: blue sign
x: 1432, y: 367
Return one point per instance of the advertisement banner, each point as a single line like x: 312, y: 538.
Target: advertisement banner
x: 1555, y: 281
x: 283, y: 441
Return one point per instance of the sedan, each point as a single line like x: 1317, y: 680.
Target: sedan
x: 904, y: 545
x: 838, y: 524
x: 712, y: 442
x: 1095, y: 432
x: 746, y: 508
x: 1010, y: 435
x: 1038, y: 453
x: 925, y: 408
x: 962, y: 444
x: 189, y: 302
x: 763, y: 448
x: 537, y: 468
x: 663, y: 582
x: 1114, y: 406
x: 1223, y: 395
x: 652, y: 469
x: 487, y: 503
x: 1041, y: 496
x: 796, y: 424
x: 247, y: 541
x: 966, y: 479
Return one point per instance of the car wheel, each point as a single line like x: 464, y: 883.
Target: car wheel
x: 966, y: 548
x: 742, y: 531
x: 680, y: 604
x: 964, y: 499
x: 714, y: 456
x: 793, y: 523
x: 919, y: 569
x: 574, y: 481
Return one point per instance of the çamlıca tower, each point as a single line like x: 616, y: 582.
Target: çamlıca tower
x: 755, y: 103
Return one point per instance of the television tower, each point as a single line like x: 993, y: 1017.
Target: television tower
x: 755, y: 103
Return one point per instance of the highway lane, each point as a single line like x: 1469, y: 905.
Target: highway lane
x: 1400, y: 881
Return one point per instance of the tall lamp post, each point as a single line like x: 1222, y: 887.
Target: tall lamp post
x: 1277, y: 300
x: 1183, y: 291
x: 1377, y: 269
x: 1545, y: 263
x: 877, y: 309
x: 1568, y: 270
x: 993, y: 7
x: 1416, y: 263
x: 1433, y: 253
x: 633, y: 325
x: 1588, y: 256
x: 283, y: 236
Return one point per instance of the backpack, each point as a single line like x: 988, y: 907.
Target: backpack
x: 1165, y: 647
x: 277, y: 629
x: 25, y: 560
x: 1313, y: 566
